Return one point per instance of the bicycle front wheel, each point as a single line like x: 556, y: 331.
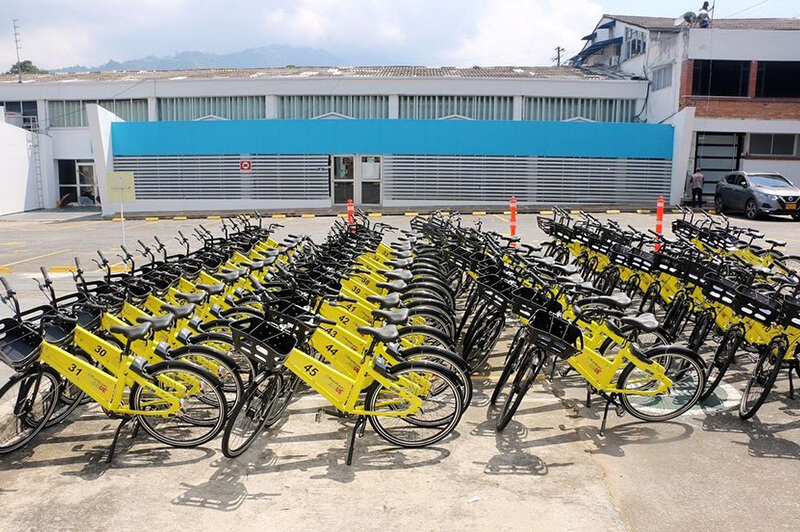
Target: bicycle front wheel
x: 686, y: 374
x: 248, y: 418
x: 439, y: 414
x: 26, y: 403
x: 762, y: 379
x: 203, y: 411
x: 523, y: 380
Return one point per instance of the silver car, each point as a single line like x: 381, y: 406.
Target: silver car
x: 757, y: 193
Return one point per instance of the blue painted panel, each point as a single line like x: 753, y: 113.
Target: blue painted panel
x: 442, y: 137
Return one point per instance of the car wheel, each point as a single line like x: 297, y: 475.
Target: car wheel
x: 718, y: 205
x: 796, y: 216
x: 751, y: 209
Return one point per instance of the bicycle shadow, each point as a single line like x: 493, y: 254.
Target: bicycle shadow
x: 90, y: 450
x: 763, y: 438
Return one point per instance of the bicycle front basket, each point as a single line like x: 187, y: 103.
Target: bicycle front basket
x: 545, y: 224
x: 720, y: 289
x: 18, y: 343
x: 528, y: 300
x: 555, y: 335
x: 261, y: 341
x: 758, y: 306
x: 790, y: 315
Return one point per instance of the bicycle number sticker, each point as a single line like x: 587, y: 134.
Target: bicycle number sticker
x: 100, y: 351
x: 330, y: 349
x: 75, y: 369
x: 311, y: 370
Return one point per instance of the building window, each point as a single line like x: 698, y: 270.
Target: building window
x: 23, y: 114
x: 633, y: 44
x: 590, y: 109
x: 662, y: 78
x: 773, y: 145
x: 778, y: 79
x: 304, y: 107
x: 226, y: 107
x: 720, y: 78
x: 475, y: 107
x: 72, y: 113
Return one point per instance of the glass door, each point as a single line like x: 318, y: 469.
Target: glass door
x: 343, y: 170
x: 369, y: 178
x: 88, y: 193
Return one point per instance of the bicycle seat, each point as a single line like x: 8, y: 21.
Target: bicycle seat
x: 228, y: 277
x: 385, y: 334
x: 398, y: 274
x: 394, y: 286
x: 179, y: 311
x: 399, y: 263
x: 212, y: 289
x: 776, y: 243
x: 646, y: 322
x: 617, y: 300
x: 195, y: 298
x: 401, y: 246
x: 159, y: 323
x: 392, y: 317
x: 573, y: 279
x: 387, y: 301
x: 402, y: 254
x: 253, y: 265
x: 133, y: 332
x: 270, y: 253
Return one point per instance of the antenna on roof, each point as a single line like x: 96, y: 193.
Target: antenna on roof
x: 17, y: 41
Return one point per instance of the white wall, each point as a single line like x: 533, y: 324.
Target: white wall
x: 100, y: 121
x: 790, y: 169
x: 71, y: 143
x: 683, y: 136
x: 18, y: 170
x: 743, y: 45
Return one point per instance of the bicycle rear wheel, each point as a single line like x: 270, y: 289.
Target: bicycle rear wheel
x: 686, y: 374
x: 27, y: 401
x: 248, y: 418
x: 762, y: 379
x: 438, y: 416
x: 723, y: 357
x: 203, y: 412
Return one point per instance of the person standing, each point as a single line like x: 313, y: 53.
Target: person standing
x: 697, y: 188
x: 704, y: 17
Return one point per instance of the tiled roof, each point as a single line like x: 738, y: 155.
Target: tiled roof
x: 499, y: 72
x: 778, y: 24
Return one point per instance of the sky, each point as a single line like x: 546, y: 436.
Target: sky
x: 58, y: 33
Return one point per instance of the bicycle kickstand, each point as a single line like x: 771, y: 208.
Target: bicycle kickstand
x: 117, y: 432
x: 605, y: 418
x: 358, y: 431
x: 791, y: 382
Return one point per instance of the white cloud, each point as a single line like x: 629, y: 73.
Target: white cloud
x: 525, y: 32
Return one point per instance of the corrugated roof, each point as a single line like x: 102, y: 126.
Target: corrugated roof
x: 498, y: 72
x: 778, y: 24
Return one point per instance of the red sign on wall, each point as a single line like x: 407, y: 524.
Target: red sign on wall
x: 245, y: 166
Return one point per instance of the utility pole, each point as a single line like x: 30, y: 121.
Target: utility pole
x: 557, y: 57
x: 17, y: 43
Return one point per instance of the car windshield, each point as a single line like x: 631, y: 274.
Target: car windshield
x: 773, y: 181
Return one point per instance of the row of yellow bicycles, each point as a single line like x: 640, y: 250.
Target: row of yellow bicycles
x: 218, y: 339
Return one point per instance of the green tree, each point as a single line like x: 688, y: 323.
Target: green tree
x: 27, y: 67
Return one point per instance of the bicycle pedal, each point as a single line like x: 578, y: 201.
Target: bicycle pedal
x: 318, y: 416
x: 335, y: 412
x: 619, y: 410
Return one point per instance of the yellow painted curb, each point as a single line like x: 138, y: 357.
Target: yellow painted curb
x: 411, y: 214
x: 279, y: 216
x: 479, y: 213
x: 151, y: 219
x: 214, y: 217
x: 342, y: 215
x: 5, y: 270
x: 374, y: 214
x: 676, y: 211
x: 612, y: 211
x: 575, y: 212
x: 712, y: 211
x: 642, y: 211
x: 308, y: 216
x: 62, y: 269
x: 545, y: 213
x: 179, y: 217
x: 116, y: 219
x: 445, y: 213
x: 506, y: 212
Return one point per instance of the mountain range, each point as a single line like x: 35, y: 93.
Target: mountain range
x: 265, y: 56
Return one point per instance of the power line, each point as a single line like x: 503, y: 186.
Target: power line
x: 18, y: 46
x: 557, y: 58
x: 749, y: 7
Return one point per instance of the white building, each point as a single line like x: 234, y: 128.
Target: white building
x: 734, y: 85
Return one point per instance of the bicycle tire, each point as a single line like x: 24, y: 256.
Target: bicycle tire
x: 723, y: 356
x: 750, y: 404
x: 252, y: 412
x: 20, y: 415
x: 210, y: 384
x: 441, y: 430
x: 449, y: 360
x: 523, y: 380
